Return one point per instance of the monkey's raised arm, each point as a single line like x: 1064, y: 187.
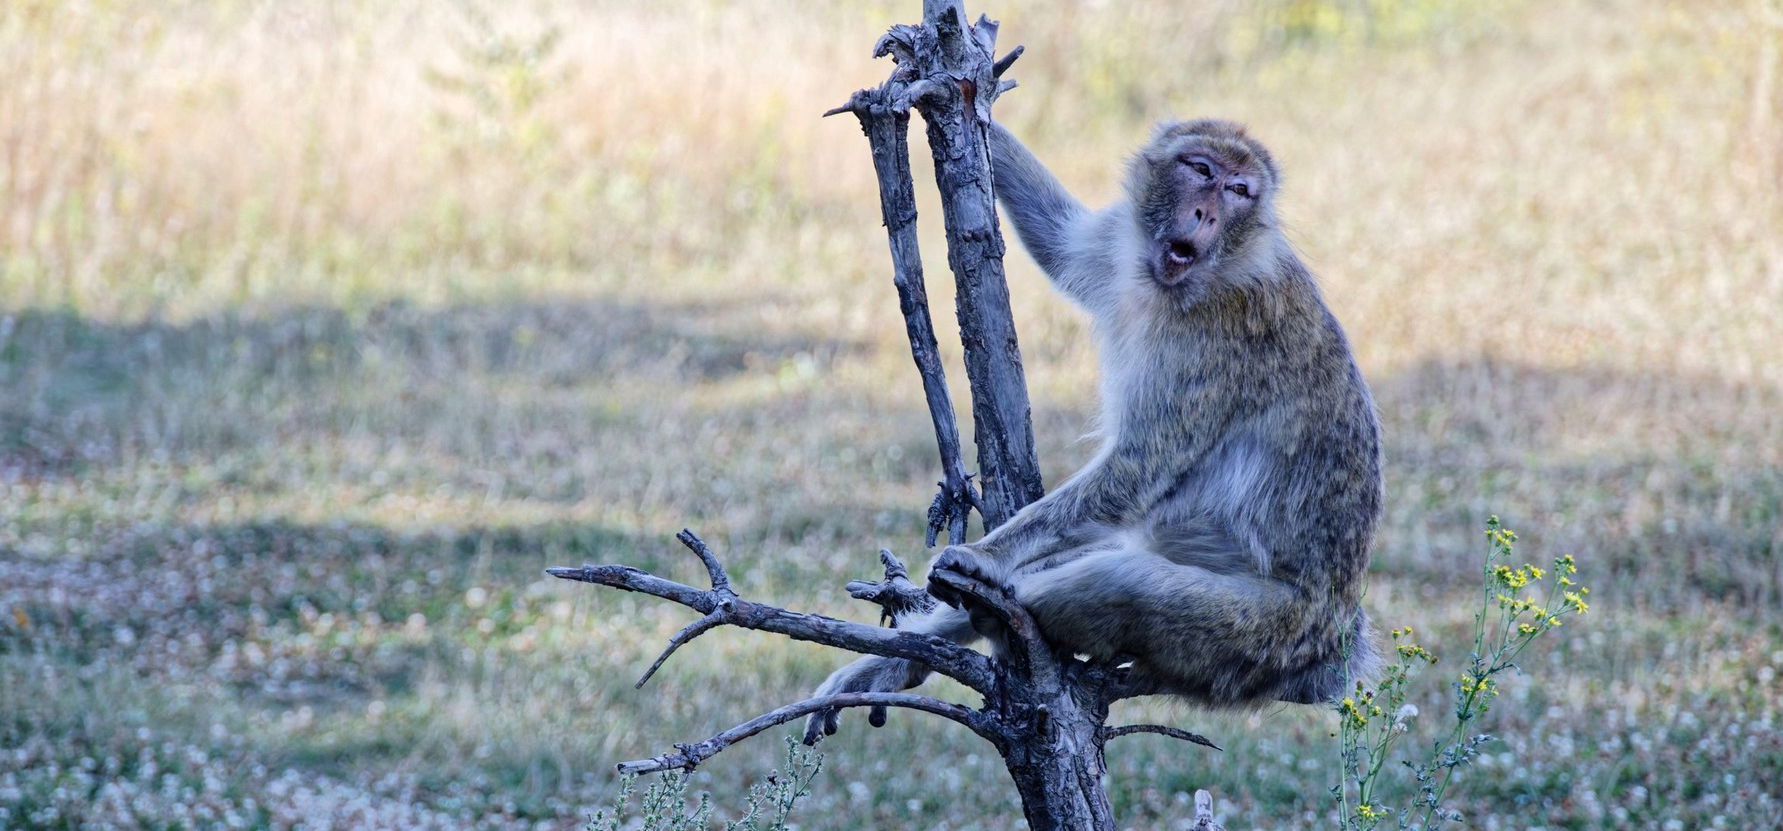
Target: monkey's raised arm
x: 1052, y: 224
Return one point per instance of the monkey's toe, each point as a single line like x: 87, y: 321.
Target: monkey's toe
x: 821, y: 723
x: 962, y: 561
x: 945, y: 593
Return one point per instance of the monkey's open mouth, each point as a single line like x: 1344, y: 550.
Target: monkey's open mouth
x: 1174, y: 261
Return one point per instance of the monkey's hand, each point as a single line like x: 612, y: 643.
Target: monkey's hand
x: 966, y: 561
x: 870, y: 674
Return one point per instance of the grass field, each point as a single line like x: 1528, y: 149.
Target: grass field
x: 325, y: 327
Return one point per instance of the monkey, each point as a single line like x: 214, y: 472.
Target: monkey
x: 1219, y: 538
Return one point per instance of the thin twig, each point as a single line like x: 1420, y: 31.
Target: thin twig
x: 1002, y: 65
x: 1172, y: 732
x: 714, y: 569
x: 686, y: 756
x: 687, y: 633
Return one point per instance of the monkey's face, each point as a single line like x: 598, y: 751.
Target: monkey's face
x: 1203, y: 194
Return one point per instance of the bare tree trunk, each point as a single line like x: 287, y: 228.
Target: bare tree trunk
x: 1052, y: 743
x: 962, y: 79
x: 1058, y: 769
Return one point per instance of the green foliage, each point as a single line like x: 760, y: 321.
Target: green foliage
x: 1371, y: 721
x: 665, y: 806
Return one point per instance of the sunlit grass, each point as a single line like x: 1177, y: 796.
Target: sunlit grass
x: 327, y: 327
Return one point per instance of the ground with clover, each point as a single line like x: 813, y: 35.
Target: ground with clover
x: 327, y: 328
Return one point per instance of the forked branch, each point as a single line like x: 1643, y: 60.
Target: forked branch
x: 720, y: 605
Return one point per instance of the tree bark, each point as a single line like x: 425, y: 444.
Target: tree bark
x: 959, y: 79
x: 885, y: 118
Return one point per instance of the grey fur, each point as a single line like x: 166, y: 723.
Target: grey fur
x: 1221, y: 536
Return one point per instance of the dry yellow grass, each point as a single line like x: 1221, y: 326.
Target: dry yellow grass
x: 326, y: 326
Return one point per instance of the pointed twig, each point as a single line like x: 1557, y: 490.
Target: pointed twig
x: 721, y: 582
x: 1002, y: 65
x: 692, y: 630
x: 687, y: 756
x: 1172, y: 732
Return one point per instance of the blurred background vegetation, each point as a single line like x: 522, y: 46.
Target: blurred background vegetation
x: 325, y: 326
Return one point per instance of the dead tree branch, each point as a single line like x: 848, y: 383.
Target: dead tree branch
x: 686, y: 756
x: 956, y: 80
x: 1172, y: 732
x: 960, y: 663
x: 884, y: 114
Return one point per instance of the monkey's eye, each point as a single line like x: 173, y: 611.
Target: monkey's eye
x: 1239, y: 188
x: 1199, y: 167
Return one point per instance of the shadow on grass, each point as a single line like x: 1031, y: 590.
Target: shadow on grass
x: 1671, y: 485
x: 76, y: 392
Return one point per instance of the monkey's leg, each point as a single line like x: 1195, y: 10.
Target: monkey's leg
x: 1208, y: 635
x: 875, y: 673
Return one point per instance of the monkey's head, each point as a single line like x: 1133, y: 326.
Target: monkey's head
x: 1203, y: 194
